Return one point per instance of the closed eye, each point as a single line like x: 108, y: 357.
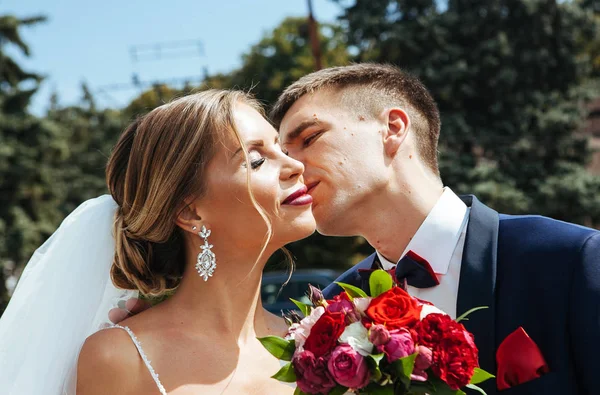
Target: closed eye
x: 310, y: 139
x: 255, y: 164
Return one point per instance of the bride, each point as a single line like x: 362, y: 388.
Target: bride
x: 202, y: 195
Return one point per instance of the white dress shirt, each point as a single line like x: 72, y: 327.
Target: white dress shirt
x: 440, y: 240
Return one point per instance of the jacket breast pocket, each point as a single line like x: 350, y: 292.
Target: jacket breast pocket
x: 549, y: 384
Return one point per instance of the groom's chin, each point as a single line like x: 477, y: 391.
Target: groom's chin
x: 332, y: 230
x: 331, y: 222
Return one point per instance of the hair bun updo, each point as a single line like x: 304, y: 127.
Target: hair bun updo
x: 157, y: 163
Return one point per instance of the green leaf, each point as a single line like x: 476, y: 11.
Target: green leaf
x: 404, y: 368
x: 476, y: 388
x: 338, y: 390
x: 278, y: 347
x: 422, y: 388
x: 441, y: 388
x: 286, y: 374
x: 304, y: 308
x: 480, y: 375
x: 463, y: 317
x: 298, y: 391
x: 376, y: 389
x: 380, y: 281
x: 373, y: 363
x: 377, y: 357
x: 352, y: 291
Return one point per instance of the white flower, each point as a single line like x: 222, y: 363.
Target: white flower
x: 357, y: 336
x: 300, y: 331
x: 427, y: 309
x: 361, y: 304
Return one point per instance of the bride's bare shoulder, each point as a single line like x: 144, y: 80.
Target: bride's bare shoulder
x: 108, y: 363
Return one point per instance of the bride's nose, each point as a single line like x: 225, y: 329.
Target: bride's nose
x: 291, y: 169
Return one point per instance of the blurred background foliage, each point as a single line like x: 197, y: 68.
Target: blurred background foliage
x: 516, y: 81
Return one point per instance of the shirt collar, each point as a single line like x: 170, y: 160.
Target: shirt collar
x: 438, y: 235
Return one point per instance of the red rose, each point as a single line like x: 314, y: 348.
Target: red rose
x: 395, y: 309
x: 325, y: 333
x: 431, y: 330
x: 454, y: 354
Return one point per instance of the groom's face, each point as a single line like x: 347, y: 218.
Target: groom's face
x: 342, y: 151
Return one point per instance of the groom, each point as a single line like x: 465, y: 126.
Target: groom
x: 367, y: 135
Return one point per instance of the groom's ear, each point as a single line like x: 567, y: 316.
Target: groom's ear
x: 398, y: 123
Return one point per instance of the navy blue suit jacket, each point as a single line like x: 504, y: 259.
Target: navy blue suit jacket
x: 534, y: 272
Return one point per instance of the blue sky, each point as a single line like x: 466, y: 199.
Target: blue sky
x: 91, y: 40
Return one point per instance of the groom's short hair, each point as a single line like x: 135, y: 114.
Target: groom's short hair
x: 368, y: 88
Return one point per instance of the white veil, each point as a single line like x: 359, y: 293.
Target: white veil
x: 64, y: 295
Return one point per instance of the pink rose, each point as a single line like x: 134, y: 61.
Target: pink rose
x: 378, y: 335
x: 422, y: 363
x: 424, y: 359
x: 342, y: 304
x: 348, y: 367
x: 312, y: 375
x: 399, y: 346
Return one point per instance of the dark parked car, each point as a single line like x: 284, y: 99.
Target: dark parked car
x: 275, y: 299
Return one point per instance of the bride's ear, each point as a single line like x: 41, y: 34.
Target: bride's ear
x: 189, y: 217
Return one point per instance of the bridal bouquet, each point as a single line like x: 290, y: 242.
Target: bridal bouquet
x: 386, y: 343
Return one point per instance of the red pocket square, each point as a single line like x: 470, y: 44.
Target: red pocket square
x: 519, y: 360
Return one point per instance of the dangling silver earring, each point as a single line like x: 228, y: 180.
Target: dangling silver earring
x: 207, y: 262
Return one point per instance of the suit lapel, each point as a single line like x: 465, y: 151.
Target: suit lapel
x: 478, y: 281
x: 351, y: 276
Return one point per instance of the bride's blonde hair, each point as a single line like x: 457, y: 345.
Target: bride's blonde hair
x: 158, y: 162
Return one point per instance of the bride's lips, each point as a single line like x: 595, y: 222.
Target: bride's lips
x: 298, y: 198
x: 311, y: 186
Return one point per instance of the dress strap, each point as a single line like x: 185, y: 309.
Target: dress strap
x: 138, y: 345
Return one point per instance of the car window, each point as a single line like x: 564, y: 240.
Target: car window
x: 269, y: 293
x: 295, y: 289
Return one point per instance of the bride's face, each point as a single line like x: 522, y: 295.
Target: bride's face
x: 275, y: 180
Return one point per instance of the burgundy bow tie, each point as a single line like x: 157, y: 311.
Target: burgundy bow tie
x: 412, y: 268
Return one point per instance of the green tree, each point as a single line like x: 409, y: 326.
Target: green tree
x: 592, y: 47
x: 510, y: 84
x: 91, y: 133
x: 150, y: 99
x: 30, y: 152
x: 281, y: 57
x: 278, y: 59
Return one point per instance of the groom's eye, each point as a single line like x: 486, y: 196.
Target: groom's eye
x: 310, y: 139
